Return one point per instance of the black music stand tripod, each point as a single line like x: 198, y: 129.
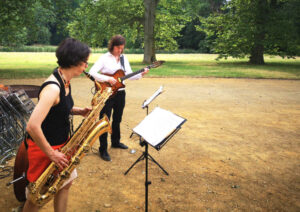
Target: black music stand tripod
x: 145, y: 155
x: 146, y: 128
x: 156, y: 129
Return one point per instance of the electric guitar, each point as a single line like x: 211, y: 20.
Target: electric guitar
x: 120, y: 76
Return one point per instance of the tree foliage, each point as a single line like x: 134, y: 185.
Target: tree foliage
x: 15, y: 16
x: 39, y: 30
x: 254, y: 28
x: 170, y: 19
x: 96, y: 21
x: 64, y: 14
x: 35, y: 21
x: 237, y: 28
x: 190, y: 37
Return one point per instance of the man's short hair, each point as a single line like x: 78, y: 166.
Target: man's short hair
x: 116, y: 40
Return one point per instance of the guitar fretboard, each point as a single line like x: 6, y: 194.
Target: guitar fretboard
x: 133, y: 73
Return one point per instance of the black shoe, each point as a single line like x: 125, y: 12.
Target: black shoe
x: 104, y: 155
x: 119, y: 145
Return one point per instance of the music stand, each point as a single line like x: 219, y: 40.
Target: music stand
x: 149, y: 100
x: 156, y: 129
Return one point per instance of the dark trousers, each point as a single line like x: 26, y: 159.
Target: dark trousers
x: 117, y: 104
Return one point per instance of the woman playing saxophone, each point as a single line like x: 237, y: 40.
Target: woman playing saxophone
x: 49, y: 125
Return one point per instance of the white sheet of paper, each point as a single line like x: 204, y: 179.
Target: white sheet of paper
x: 158, y: 125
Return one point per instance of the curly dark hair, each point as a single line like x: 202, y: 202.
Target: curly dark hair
x: 71, y: 52
x: 116, y: 40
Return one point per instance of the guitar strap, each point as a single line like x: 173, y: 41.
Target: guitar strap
x: 122, y: 62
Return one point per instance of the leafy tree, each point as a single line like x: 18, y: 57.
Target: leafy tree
x: 149, y: 33
x: 35, y: 21
x: 39, y: 31
x: 64, y: 14
x: 96, y: 21
x: 190, y: 37
x: 168, y: 18
x: 254, y: 28
x: 15, y: 16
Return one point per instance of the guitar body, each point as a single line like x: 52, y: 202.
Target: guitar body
x: 120, y: 76
x: 117, y: 76
x: 21, y: 166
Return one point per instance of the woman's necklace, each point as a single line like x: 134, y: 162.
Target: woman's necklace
x: 66, y: 83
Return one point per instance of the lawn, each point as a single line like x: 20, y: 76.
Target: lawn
x: 41, y: 64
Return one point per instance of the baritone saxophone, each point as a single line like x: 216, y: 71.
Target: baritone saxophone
x: 48, y: 184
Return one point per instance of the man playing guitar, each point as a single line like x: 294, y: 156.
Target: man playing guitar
x: 103, y: 70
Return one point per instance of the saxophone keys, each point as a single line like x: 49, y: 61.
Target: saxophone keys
x: 76, y: 161
x: 52, y: 190
x: 41, y: 199
x: 32, y: 188
x: 65, y: 174
x: 86, y: 148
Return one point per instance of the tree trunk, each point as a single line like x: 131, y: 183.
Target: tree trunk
x: 149, y: 42
x: 257, y: 51
x: 257, y: 55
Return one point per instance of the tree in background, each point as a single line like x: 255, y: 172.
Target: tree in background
x: 253, y: 28
x: 163, y: 22
x: 237, y: 28
x: 39, y: 31
x: 35, y: 21
x: 190, y: 37
x: 149, y: 33
x: 64, y: 14
x: 15, y: 17
x: 96, y: 21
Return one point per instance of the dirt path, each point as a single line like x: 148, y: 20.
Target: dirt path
x: 238, y: 151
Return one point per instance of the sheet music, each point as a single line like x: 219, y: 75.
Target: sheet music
x: 158, y: 125
x: 148, y: 101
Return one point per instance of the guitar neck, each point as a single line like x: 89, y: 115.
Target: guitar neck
x: 133, y: 73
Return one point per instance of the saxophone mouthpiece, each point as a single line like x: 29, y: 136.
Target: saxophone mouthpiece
x: 89, y: 76
x: 97, y: 85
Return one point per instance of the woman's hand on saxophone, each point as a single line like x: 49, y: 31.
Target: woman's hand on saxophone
x: 85, y: 111
x: 81, y: 111
x: 59, y: 159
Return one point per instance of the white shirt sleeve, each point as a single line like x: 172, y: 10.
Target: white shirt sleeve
x: 96, y: 68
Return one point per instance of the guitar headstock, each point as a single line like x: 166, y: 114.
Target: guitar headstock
x: 156, y: 64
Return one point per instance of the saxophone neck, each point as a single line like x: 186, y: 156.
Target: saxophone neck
x: 98, y: 86
x: 89, y: 76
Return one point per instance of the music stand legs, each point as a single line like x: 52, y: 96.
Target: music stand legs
x: 145, y: 155
x: 154, y: 161
x: 139, y: 159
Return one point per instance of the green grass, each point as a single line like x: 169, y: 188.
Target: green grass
x: 41, y: 64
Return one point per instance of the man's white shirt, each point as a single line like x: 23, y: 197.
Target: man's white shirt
x: 107, y: 64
